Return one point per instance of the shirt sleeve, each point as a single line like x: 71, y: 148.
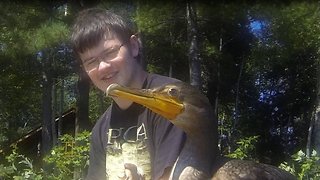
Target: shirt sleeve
x: 168, y: 142
x: 97, y: 155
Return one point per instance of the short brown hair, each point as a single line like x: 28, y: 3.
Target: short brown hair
x: 92, y: 25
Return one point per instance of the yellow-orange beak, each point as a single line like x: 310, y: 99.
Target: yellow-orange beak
x: 159, y: 102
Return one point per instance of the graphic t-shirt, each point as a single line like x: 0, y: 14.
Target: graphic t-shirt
x: 127, y: 143
x: 121, y: 136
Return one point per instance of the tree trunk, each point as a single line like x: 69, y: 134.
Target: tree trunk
x: 82, y: 119
x: 54, y: 110
x: 171, y: 55
x: 101, y: 99
x: 236, y: 107
x: 316, y: 136
x: 309, y: 139
x: 216, y: 101
x: 194, y: 59
x: 61, y: 103
x: 47, y: 83
x: 217, y: 93
x: 316, y: 128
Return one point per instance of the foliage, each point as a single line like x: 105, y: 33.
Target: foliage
x: 25, y: 29
x: 282, y: 65
x: 19, y: 168
x: 265, y: 53
x: 49, y: 34
x: 98, y: 103
x: 304, y: 167
x: 165, y: 42
x: 72, y: 153
x: 245, y: 149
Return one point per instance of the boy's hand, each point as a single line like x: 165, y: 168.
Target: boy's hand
x: 131, y: 172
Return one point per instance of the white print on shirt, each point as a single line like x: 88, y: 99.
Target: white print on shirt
x: 127, y: 146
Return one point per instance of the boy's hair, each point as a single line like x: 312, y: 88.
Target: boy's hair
x: 94, y: 24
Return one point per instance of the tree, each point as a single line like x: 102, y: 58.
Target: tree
x: 194, y: 59
x: 258, y: 63
x: 164, y: 34
x: 285, y: 56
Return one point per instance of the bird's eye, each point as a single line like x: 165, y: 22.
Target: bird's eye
x: 173, y: 92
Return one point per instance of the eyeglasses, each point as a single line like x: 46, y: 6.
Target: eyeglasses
x: 105, y: 56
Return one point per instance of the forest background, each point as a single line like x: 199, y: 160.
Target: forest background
x: 258, y: 62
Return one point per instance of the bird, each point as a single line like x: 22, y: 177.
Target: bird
x: 188, y: 108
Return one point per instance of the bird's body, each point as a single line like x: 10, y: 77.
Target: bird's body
x: 187, y: 108
x: 234, y: 169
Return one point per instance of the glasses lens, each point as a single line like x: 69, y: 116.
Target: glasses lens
x: 91, y: 64
x: 105, y: 57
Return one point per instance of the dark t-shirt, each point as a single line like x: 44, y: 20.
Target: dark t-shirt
x: 127, y: 142
x: 135, y: 131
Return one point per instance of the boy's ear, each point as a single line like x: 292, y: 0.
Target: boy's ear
x: 135, y: 46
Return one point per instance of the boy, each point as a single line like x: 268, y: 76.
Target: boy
x: 128, y: 138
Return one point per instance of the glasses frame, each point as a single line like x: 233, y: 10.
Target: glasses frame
x: 101, y: 58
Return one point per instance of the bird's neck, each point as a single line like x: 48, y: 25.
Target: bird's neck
x: 197, y: 156
x: 202, y: 139
x: 203, y: 146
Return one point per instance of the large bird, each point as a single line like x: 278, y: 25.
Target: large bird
x: 186, y: 107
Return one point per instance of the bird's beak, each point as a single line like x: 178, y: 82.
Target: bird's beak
x: 160, y: 103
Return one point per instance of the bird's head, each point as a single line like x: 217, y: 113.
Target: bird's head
x: 182, y: 104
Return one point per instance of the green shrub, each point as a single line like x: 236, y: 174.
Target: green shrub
x: 245, y: 147
x: 302, y: 166
x: 19, y: 168
x: 70, y: 157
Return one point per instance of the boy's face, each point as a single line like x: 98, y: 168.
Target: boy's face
x: 111, y: 61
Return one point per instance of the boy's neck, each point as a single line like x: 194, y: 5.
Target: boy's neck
x: 136, y: 83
